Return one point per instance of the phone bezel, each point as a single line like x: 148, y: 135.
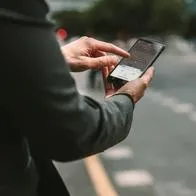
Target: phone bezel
x: 112, y: 78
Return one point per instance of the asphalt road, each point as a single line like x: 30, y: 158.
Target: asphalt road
x: 159, y: 156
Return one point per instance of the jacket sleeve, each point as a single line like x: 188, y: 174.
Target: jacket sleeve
x: 46, y: 106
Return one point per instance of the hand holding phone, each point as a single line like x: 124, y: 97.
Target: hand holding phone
x: 142, y: 55
x: 135, y: 89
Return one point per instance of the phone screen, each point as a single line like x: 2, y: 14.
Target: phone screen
x: 141, y: 56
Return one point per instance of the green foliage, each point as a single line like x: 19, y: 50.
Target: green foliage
x: 191, y: 30
x: 131, y: 16
x: 111, y: 16
x: 167, y: 16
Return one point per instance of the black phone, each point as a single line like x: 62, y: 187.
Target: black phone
x: 143, y: 54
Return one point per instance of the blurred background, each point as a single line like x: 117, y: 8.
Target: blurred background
x: 159, y: 156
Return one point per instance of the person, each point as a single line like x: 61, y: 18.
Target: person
x: 43, y: 117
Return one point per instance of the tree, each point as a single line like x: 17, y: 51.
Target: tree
x: 129, y: 15
x: 167, y: 16
x: 191, y: 29
x: 136, y: 17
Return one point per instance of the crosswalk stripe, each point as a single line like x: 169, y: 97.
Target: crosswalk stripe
x: 183, y: 108
x: 118, y: 153
x: 133, y: 178
x: 173, y: 103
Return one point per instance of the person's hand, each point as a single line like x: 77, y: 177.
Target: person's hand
x: 135, y: 88
x: 88, y: 53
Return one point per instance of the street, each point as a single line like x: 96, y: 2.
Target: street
x: 159, y: 156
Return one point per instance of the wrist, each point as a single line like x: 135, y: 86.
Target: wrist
x: 123, y: 96
x: 126, y: 93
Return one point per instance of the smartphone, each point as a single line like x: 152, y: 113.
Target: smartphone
x: 143, y: 54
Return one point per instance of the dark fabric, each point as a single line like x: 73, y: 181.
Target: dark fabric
x: 50, y: 182
x: 39, y: 101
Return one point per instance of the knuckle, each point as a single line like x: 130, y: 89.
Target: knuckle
x: 87, y: 40
x: 90, y: 40
x: 84, y: 39
x: 114, y: 60
x: 103, y: 62
x: 108, y: 60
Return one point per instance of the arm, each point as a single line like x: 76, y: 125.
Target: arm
x: 60, y: 122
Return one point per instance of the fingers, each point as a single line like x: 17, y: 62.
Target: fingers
x: 109, y: 89
x: 99, y: 54
x: 106, y: 61
x: 111, y: 68
x: 147, y: 77
x: 99, y: 62
x: 136, y: 88
x: 105, y: 72
x: 107, y: 47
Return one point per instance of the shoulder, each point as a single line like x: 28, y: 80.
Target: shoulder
x: 29, y: 11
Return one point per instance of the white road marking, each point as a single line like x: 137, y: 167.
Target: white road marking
x: 118, y: 153
x: 173, y: 103
x: 155, y: 96
x: 133, y: 178
x: 183, y: 108
x: 169, y: 101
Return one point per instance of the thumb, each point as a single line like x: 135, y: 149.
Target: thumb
x: 147, y: 77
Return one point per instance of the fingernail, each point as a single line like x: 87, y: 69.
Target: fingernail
x: 128, y: 54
